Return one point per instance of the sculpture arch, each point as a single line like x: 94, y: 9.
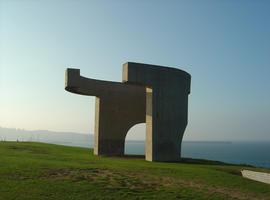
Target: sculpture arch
x: 130, y: 142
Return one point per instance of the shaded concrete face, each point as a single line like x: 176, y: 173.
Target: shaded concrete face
x: 118, y: 107
x: 153, y: 94
x: 167, y: 92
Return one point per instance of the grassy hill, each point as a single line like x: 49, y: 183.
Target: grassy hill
x: 44, y: 171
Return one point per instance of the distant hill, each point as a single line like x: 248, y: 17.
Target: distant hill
x: 65, y: 138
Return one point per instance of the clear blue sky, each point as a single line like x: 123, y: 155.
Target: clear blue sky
x: 224, y: 45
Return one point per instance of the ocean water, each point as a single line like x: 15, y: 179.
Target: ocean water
x: 252, y: 153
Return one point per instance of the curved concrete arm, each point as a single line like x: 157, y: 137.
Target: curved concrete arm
x: 156, y: 76
x: 78, y: 84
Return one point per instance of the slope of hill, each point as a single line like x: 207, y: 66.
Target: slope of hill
x: 31, y: 171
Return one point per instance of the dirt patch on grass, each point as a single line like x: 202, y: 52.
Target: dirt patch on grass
x: 236, y: 172
x: 108, y: 179
x: 228, y: 193
x: 28, y: 149
x: 74, y: 174
x: 140, y: 182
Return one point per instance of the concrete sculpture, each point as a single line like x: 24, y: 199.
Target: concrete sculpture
x: 153, y: 94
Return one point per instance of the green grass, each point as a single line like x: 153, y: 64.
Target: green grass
x: 44, y: 171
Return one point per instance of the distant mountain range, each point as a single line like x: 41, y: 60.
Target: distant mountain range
x: 65, y: 138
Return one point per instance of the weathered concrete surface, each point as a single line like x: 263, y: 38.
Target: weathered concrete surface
x: 166, y: 107
x: 118, y: 107
x: 257, y: 176
x: 153, y: 94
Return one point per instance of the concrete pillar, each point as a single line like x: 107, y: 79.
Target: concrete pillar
x: 167, y: 91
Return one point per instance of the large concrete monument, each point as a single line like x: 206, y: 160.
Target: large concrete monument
x: 153, y: 94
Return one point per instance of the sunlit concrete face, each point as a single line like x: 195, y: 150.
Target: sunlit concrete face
x: 166, y: 107
x: 153, y: 94
x: 118, y: 107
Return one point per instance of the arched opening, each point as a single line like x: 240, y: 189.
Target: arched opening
x: 135, y: 140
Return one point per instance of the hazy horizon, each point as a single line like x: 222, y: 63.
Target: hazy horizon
x: 224, y: 45
x: 29, y: 135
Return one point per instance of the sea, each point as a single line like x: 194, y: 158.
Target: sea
x: 249, y: 153
x: 245, y: 152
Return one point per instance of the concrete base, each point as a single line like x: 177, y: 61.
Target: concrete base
x: 256, y: 176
